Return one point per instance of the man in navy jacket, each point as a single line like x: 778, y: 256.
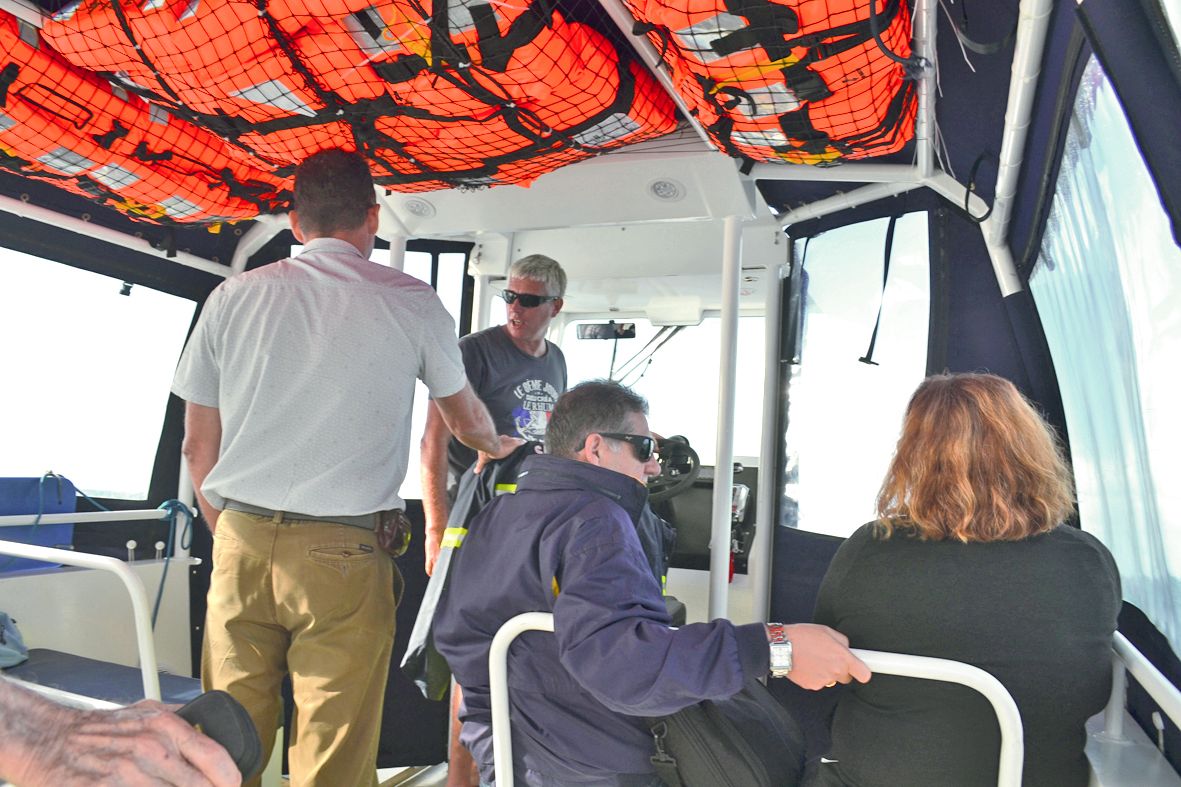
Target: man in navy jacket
x: 566, y: 543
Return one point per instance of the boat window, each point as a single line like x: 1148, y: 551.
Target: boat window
x: 448, y: 282
x: 416, y: 263
x: 1107, y: 285
x: 85, y: 386
x: 844, y: 415
x: 680, y: 378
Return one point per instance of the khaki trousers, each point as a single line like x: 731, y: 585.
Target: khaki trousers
x: 316, y: 600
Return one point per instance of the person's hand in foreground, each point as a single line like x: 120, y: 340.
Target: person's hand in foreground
x: 44, y: 744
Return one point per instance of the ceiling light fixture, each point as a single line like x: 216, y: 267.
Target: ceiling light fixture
x: 667, y: 190
x: 419, y: 207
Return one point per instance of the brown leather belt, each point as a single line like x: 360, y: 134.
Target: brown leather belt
x: 364, y: 521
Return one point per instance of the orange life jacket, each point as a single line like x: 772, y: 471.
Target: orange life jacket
x: 63, y: 125
x: 462, y: 94
x: 801, y: 81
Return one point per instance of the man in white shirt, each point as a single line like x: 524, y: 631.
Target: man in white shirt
x: 299, y: 381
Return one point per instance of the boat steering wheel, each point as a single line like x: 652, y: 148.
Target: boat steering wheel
x: 679, y: 468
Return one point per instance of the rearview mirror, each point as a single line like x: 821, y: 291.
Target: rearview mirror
x: 607, y: 330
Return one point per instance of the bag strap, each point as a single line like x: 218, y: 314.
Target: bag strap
x: 663, y: 762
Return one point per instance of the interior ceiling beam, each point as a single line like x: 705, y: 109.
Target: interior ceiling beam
x: 843, y: 173
x: 94, y: 231
x: 651, y: 59
x: 264, y: 228
x: 842, y: 201
x: 1032, y: 26
x: 25, y: 11
x: 926, y: 19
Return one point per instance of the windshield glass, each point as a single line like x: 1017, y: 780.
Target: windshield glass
x: 676, y: 369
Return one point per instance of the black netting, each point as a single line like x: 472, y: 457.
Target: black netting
x: 61, y: 124
x: 218, y: 99
x: 802, y: 82
x: 198, y: 110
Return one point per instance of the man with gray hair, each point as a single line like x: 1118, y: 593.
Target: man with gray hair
x: 519, y: 375
x: 516, y: 372
x: 566, y: 543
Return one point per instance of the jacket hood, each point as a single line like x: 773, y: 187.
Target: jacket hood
x: 548, y: 473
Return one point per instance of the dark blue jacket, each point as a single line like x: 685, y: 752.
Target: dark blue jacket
x: 566, y: 543
x: 658, y: 539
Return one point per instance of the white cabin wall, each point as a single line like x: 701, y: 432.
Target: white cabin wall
x: 665, y: 180
x: 670, y: 271
x: 88, y: 612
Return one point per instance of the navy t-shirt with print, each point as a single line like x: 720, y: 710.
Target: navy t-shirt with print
x: 519, y: 390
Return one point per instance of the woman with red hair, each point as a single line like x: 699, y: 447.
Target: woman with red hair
x: 971, y: 559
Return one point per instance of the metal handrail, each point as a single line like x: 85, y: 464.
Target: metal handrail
x: 71, y: 517
x: 1012, y: 756
x: 1127, y: 659
x: 1012, y: 736
x: 502, y: 745
x: 140, y: 608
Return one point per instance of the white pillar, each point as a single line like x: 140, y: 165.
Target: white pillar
x: 758, y: 563
x: 719, y: 560
x: 398, y: 252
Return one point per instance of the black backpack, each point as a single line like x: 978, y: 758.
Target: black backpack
x: 748, y: 740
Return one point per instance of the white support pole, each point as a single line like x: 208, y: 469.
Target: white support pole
x: 481, y: 303
x: 648, y: 55
x: 502, y: 739
x: 719, y: 557
x: 25, y: 11
x: 1032, y: 25
x: 260, y: 234
x: 953, y: 191
x: 140, y: 608
x: 92, y: 231
x: 758, y: 564
x: 1113, y: 714
x: 1162, y: 691
x: 398, y: 252
x: 1003, y: 265
x: 844, y: 173
x: 845, y: 200
x: 926, y: 18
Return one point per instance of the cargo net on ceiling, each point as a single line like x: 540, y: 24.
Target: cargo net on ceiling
x: 198, y: 110
x: 800, y: 81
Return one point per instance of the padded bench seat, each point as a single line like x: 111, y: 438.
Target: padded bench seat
x: 99, y: 679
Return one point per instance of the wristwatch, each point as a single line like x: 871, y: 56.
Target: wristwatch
x: 780, y: 650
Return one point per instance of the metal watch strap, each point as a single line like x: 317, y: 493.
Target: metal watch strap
x: 780, y: 645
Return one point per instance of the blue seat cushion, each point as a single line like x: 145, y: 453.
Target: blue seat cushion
x: 99, y: 679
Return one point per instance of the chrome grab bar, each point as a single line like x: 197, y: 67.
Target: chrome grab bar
x: 1012, y: 736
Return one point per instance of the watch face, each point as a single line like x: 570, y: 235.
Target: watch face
x: 781, y: 656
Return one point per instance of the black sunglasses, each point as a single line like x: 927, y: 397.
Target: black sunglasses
x: 528, y: 300
x: 642, y: 445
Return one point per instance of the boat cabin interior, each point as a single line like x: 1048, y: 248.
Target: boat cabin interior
x: 776, y: 216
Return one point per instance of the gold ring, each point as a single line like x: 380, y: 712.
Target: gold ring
x: 830, y: 685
